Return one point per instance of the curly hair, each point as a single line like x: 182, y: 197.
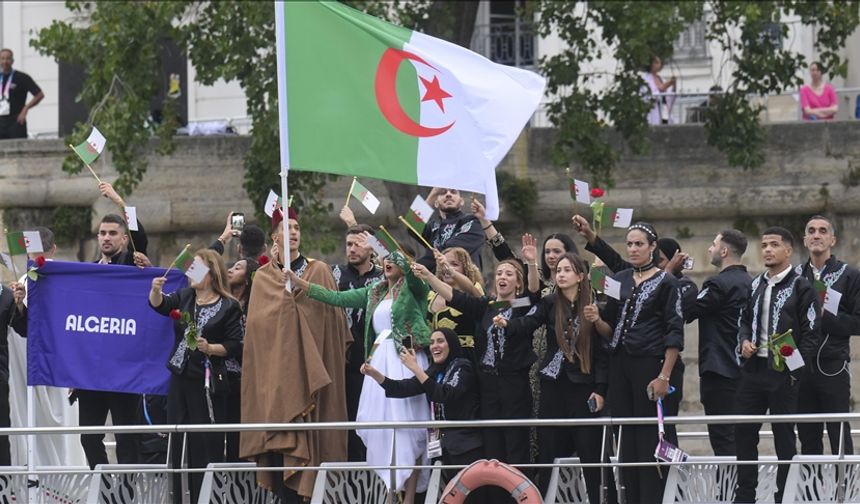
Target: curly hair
x: 470, y: 270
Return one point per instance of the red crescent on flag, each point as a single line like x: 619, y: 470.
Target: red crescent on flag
x: 386, y: 94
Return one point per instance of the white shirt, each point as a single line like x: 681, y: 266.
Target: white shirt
x: 764, y: 335
x: 382, y: 316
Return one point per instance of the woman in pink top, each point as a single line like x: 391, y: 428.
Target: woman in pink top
x: 818, y: 99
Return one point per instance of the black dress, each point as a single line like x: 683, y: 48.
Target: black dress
x: 187, y: 401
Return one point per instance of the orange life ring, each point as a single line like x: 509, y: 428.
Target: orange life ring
x: 490, y: 472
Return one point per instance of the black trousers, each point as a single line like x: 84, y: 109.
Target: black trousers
x: 820, y: 393
x: 718, y: 397
x: 562, y: 399
x: 5, y: 421
x: 355, y: 449
x: 93, y: 408
x: 761, y: 389
x: 186, y: 404
x: 506, y: 396
x: 233, y: 414
x: 9, y: 127
x: 629, y: 377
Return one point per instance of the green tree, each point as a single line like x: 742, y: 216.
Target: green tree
x: 587, y: 104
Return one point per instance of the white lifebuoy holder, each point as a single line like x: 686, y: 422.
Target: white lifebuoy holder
x: 490, y: 472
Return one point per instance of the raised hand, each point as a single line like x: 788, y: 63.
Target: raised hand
x: 500, y: 321
x: 478, y: 210
x: 529, y: 248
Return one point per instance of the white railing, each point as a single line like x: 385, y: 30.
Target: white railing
x: 689, y: 108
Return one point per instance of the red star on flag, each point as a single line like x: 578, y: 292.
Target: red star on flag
x: 434, y: 92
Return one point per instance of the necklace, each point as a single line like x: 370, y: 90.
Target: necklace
x: 644, y: 268
x: 207, y: 298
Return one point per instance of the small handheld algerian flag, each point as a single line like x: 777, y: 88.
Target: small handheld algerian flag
x: 820, y: 289
x: 366, y: 98
x: 831, y: 300
x: 17, y: 245
x: 191, y: 266
x: 387, y: 240
x: 501, y: 304
x: 272, y: 202
x: 603, y: 283
x: 419, y: 213
x: 621, y: 217
x: 580, y: 192
x: 378, y: 341
x: 94, y: 145
x: 33, y: 242
x: 365, y: 197
x: 377, y: 246
x: 786, y: 347
x: 131, y: 218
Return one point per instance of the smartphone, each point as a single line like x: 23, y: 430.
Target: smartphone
x: 592, y: 405
x: 688, y: 263
x: 237, y: 221
x: 407, y: 342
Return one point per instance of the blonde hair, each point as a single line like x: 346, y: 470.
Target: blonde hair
x: 217, y: 272
x: 469, y: 269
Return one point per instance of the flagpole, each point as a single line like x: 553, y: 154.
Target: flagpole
x: 571, y: 181
x: 281, y: 53
x: 349, y: 193
x: 87, y: 164
x: 187, y: 246
x: 421, y: 238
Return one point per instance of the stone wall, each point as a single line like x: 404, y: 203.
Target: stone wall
x: 682, y: 186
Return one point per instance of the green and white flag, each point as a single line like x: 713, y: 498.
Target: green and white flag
x: 93, y: 146
x: 606, y: 284
x: 419, y: 213
x: 362, y: 97
x: 364, y: 196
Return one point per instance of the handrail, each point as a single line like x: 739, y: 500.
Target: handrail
x: 446, y: 424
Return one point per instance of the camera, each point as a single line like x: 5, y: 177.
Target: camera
x: 237, y: 221
x: 688, y: 263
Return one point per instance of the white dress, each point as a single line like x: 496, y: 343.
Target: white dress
x: 373, y: 406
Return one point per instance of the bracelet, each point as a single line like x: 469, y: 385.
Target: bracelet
x: 532, y: 264
x: 488, y: 226
x: 663, y: 377
x: 496, y: 240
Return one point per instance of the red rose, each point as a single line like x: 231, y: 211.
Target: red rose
x: 597, y: 192
x: 40, y: 261
x: 786, y: 350
x: 175, y: 314
x: 263, y: 260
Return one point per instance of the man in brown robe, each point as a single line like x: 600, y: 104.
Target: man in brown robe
x: 293, y: 369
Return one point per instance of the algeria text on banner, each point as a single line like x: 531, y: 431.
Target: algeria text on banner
x: 91, y: 327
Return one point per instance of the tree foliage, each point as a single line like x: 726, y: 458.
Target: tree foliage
x: 588, y: 103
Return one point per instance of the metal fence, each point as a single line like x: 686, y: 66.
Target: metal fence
x: 840, y: 471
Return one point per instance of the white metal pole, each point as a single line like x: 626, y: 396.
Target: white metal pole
x: 281, y: 48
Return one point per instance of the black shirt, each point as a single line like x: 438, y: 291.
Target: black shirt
x: 837, y: 329
x: 497, y: 352
x: 18, y: 89
x: 718, y: 307
x: 612, y: 259
x: 454, y: 393
x: 219, y: 323
x: 348, y: 278
x: 793, y: 305
x: 458, y: 229
x: 554, y: 362
x: 648, y: 319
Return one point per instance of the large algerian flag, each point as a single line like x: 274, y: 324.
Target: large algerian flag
x: 359, y: 96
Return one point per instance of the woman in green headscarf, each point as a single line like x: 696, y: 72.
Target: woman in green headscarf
x: 396, y: 308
